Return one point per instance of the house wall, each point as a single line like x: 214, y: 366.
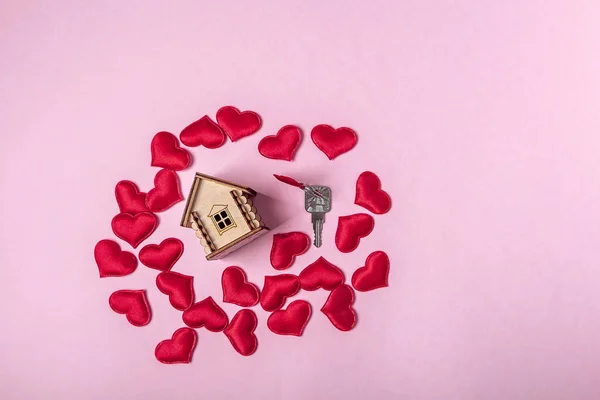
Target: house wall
x: 212, y: 193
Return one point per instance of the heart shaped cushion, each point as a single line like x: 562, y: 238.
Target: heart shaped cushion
x: 203, y: 132
x: 290, y: 321
x: 321, y: 274
x: 237, y: 289
x: 277, y: 289
x: 166, y: 152
x: 161, y: 256
x: 112, y: 261
x: 240, y: 332
x: 206, y: 313
x: 179, y: 288
x: 338, y: 308
x: 132, y: 303
x: 333, y: 142
x: 350, y: 229
x: 374, y: 274
x: 178, y: 349
x: 166, y: 191
x: 283, y: 145
x: 129, y: 198
x: 238, y: 124
x: 286, y: 247
x: 134, y: 229
x: 369, y: 194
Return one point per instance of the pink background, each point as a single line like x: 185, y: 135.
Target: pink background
x: 481, y: 118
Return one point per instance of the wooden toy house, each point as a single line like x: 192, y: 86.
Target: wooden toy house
x: 222, y: 214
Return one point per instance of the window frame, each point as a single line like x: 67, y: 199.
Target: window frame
x: 222, y: 220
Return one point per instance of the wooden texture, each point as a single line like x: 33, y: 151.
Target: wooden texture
x: 198, y: 178
x: 236, y: 244
x: 209, y: 196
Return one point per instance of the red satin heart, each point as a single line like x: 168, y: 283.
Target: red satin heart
x: 203, y: 132
x: 350, y: 229
x: 369, y: 194
x: 283, y: 145
x: 290, y: 321
x: 134, y: 229
x: 374, y: 274
x: 237, y: 289
x: 286, y: 247
x: 166, y: 152
x: 178, y: 349
x: 161, y: 256
x: 338, y: 308
x: 112, y: 261
x: 179, y: 288
x: 321, y: 274
x: 238, y: 124
x: 206, y: 313
x: 240, y: 332
x: 277, y: 289
x: 132, y: 303
x: 166, y: 191
x: 333, y: 142
x: 129, y: 198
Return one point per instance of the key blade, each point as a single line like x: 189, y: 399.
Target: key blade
x: 317, y: 221
x: 318, y: 228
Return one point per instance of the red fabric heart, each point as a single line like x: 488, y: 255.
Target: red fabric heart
x: 338, y: 308
x: 333, y: 142
x: 178, y: 349
x: 285, y: 248
x: 277, y: 289
x: 321, y: 274
x: 240, y: 332
x: 134, y: 229
x: 179, y: 288
x: 290, y: 321
x: 237, y: 289
x: 166, y: 152
x: 129, y: 198
x: 350, y: 229
x: 283, y: 145
x: 132, y: 303
x: 112, y: 261
x: 161, y: 256
x: 238, y: 124
x: 206, y: 313
x: 369, y: 194
x: 374, y: 274
x: 203, y: 132
x: 166, y: 191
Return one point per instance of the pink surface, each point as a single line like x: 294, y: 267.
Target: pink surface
x: 481, y: 118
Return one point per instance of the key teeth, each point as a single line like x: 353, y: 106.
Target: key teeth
x: 317, y: 230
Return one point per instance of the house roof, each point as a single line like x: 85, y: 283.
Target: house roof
x: 224, y: 182
x: 185, y: 219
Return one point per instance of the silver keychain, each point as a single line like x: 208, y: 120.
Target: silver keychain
x: 317, y: 201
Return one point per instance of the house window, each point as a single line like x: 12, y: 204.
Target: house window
x: 223, y: 220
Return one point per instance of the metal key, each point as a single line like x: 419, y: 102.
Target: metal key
x: 317, y: 201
